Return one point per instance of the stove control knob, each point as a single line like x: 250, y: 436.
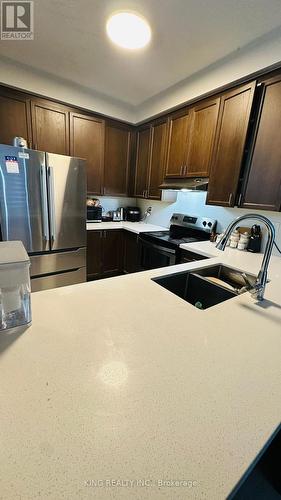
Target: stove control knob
x: 204, y: 223
x: 210, y: 224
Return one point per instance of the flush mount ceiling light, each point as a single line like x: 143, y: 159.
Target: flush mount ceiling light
x: 128, y: 30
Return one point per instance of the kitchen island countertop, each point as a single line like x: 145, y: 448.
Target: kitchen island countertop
x: 120, y: 380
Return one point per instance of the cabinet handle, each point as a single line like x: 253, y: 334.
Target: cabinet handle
x: 230, y: 198
x: 239, y: 200
x: 181, y: 169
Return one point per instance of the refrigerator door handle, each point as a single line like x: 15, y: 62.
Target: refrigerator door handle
x: 44, y: 202
x: 52, y: 203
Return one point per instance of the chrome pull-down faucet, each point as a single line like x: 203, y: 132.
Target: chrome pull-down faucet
x: 258, y: 288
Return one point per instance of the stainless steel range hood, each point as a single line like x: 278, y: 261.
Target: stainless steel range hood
x: 192, y: 184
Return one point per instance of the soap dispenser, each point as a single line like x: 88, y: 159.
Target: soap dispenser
x: 15, y: 308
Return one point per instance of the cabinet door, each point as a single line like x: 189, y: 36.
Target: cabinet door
x: 87, y: 141
x: 50, y: 127
x: 157, y: 160
x: 14, y: 117
x: 204, y: 119
x: 117, y: 158
x: 94, y: 254
x: 230, y: 139
x: 142, y: 161
x: 130, y: 263
x: 177, y: 146
x: 263, y: 185
x: 187, y: 256
x: 112, y: 252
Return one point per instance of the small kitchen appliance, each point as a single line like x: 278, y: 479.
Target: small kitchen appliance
x: 118, y: 215
x: 15, y: 309
x: 162, y: 248
x: 133, y: 214
x: 94, y: 210
x: 94, y: 214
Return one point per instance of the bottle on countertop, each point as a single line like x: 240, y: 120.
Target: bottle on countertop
x: 255, y: 239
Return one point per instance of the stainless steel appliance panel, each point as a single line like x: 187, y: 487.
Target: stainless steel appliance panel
x: 56, y: 262
x: 66, y: 178
x: 153, y: 256
x: 23, y: 197
x: 58, y: 280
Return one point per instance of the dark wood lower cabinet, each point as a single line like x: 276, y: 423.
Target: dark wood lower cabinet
x: 94, y: 254
x: 105, y: 253
x: 112, y: 253
x: 130, y: 262
x: 187, y: 256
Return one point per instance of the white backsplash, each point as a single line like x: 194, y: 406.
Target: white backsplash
x: 193, y: 203
x: 110, y: 203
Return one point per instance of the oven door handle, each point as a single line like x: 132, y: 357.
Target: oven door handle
x: 157, y: 247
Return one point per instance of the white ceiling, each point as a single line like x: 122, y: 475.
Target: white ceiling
x: 188, y: 35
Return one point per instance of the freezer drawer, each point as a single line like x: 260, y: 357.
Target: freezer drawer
x: 58, y: 280
x: 56, y: 262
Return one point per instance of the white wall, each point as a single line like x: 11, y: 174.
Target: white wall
x: 193, y: 203
x: 256, y: 56
x: 112, y: 203
x: 42, y: 83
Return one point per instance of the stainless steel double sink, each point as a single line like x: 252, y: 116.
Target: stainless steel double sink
x: 207, y: 286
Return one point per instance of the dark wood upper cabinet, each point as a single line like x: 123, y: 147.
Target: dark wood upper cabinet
x: 50, y: 127
x: 87, y: 141
x: 204, y: 119
x: 262, y: 188
x: 157, y: 159
x: 117, y: 159
x: 14, y: 117
x: 229, y: 146
x: 142, y: 161
x: 177, y: 143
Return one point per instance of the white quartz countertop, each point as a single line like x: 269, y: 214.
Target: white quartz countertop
x: 134, y: 227
x: 120, y: 380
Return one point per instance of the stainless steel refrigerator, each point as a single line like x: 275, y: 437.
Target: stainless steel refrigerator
x: 43, y: 204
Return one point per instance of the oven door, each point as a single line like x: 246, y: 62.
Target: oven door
x: 151, y: 255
